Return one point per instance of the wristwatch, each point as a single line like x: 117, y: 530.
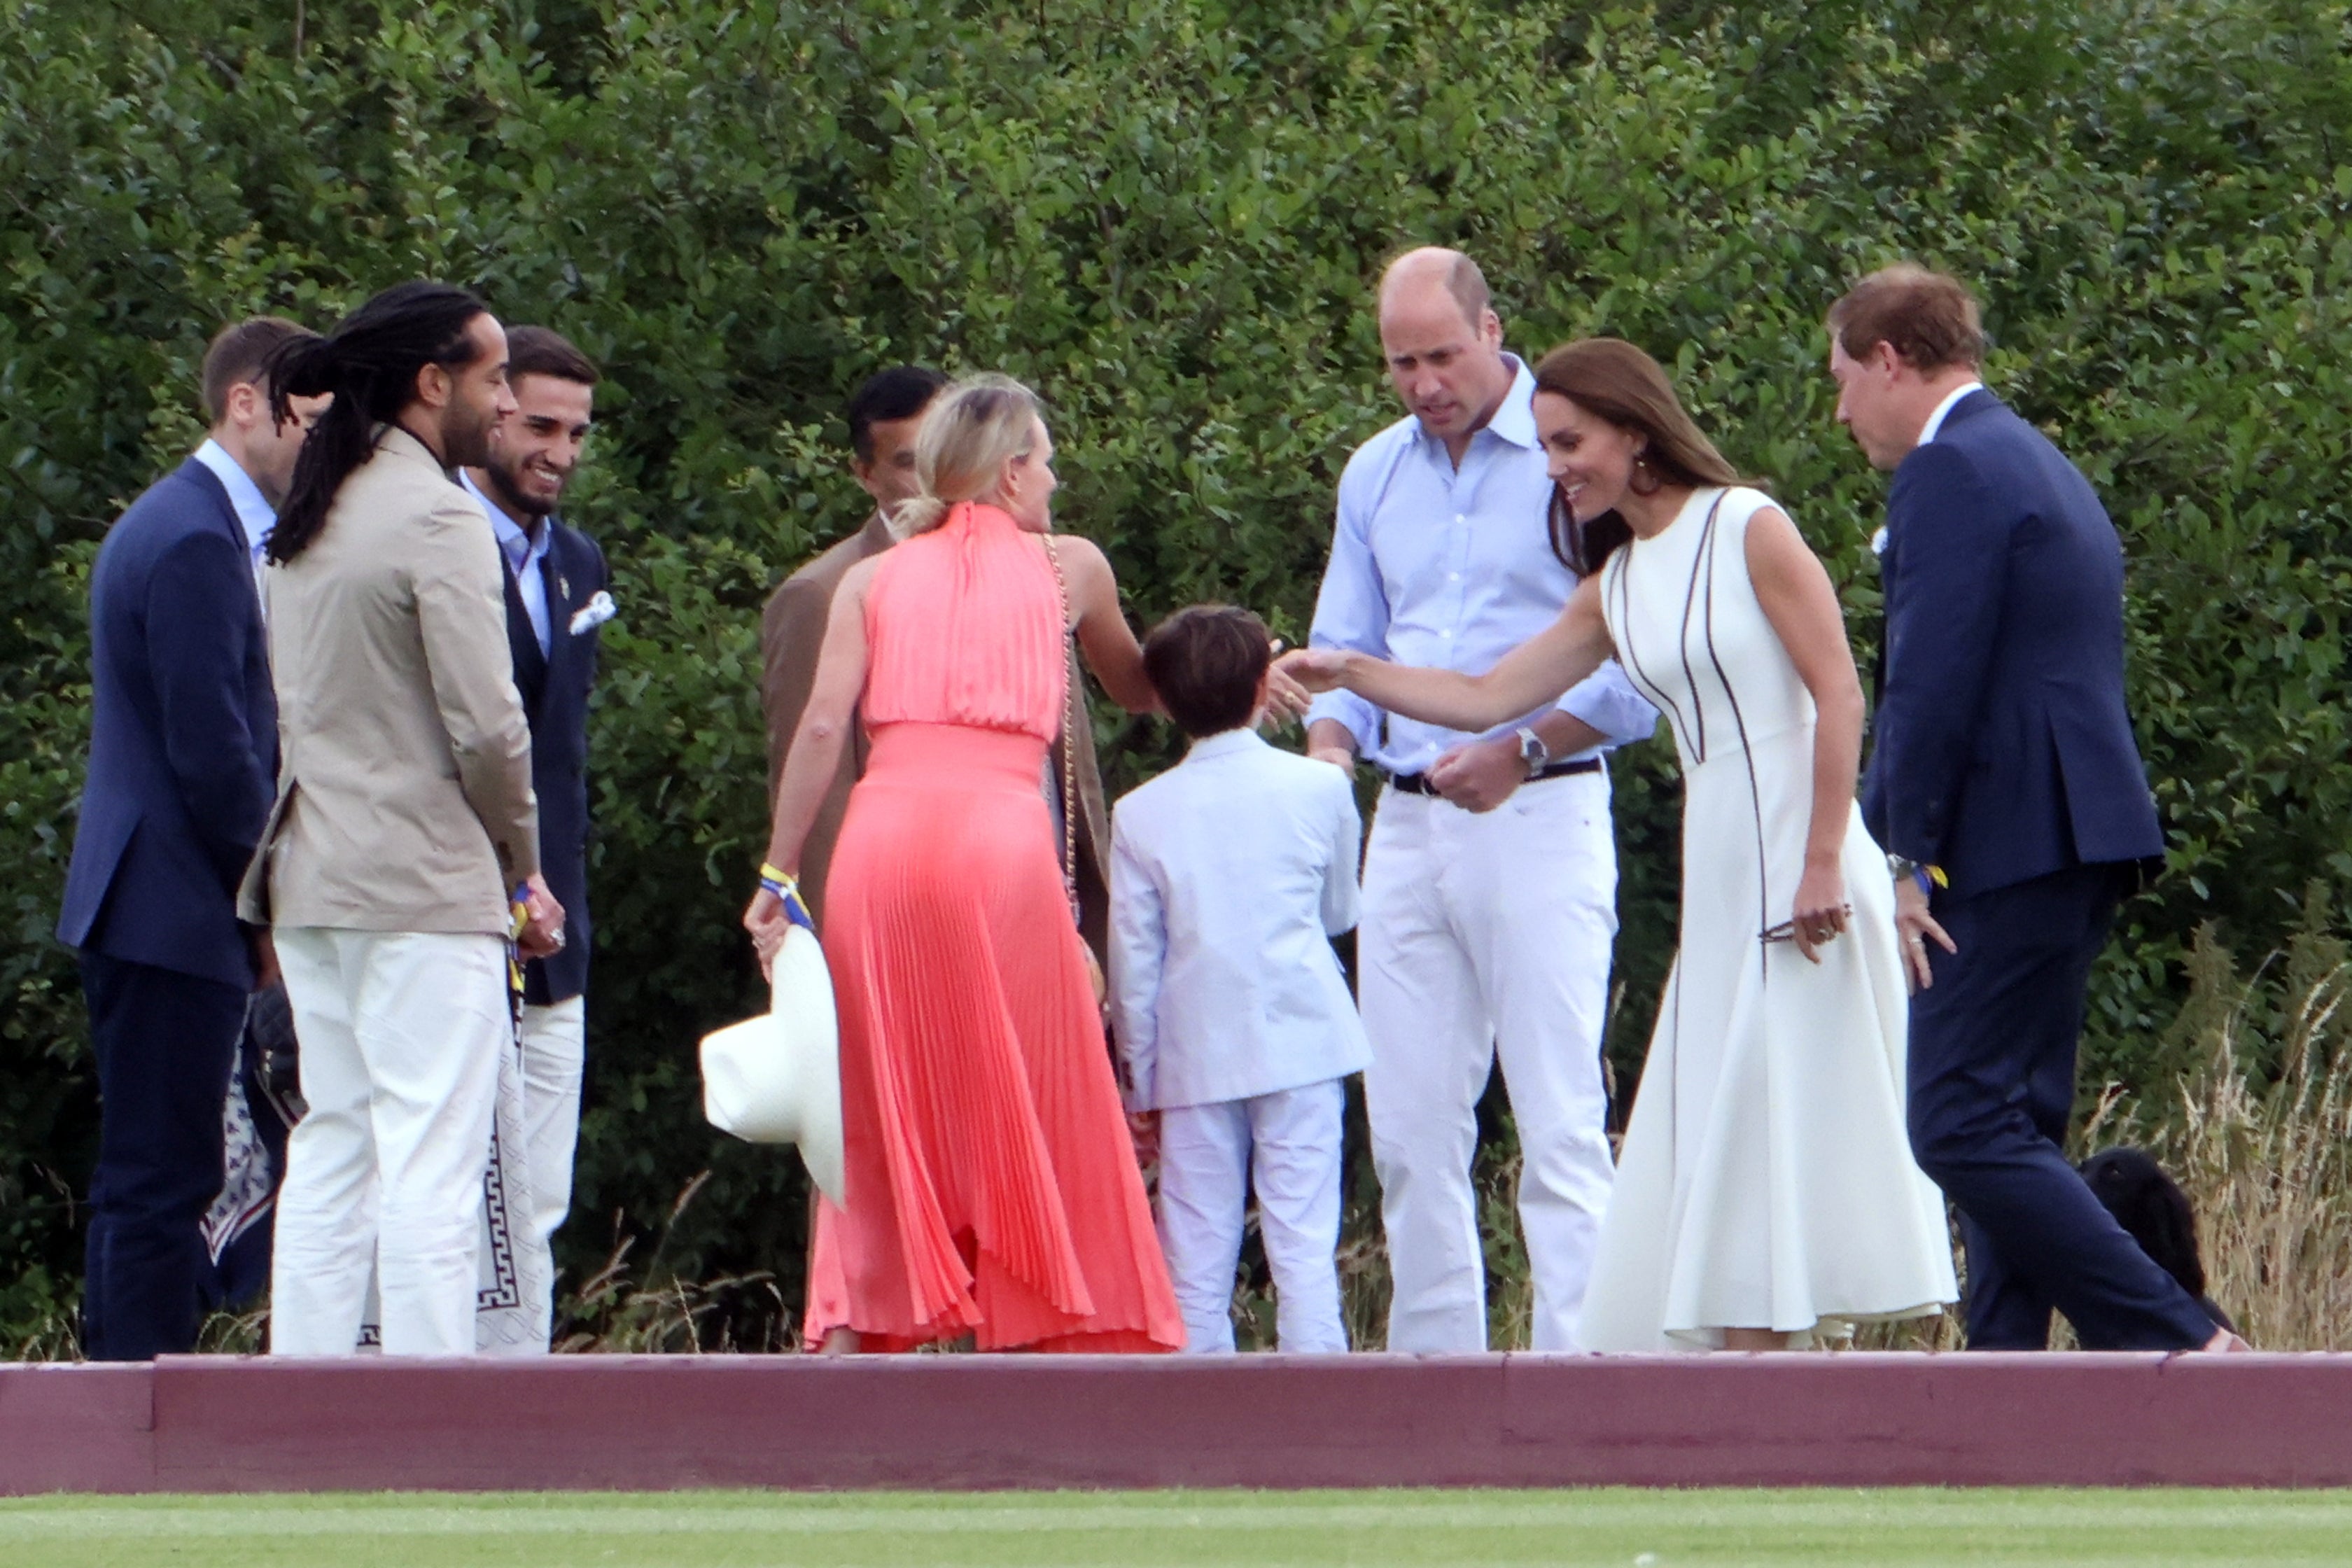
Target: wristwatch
x: 1533, y: 751
x: 1928, y: 878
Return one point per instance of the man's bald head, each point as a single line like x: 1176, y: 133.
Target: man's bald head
x: 1444, y: 343
x: 1431, y: 267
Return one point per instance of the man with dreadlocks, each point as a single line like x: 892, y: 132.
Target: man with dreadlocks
x: 404, y: 825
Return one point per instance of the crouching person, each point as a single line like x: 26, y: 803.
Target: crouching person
x: 1230, y: 873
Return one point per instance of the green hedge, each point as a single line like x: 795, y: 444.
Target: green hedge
x: 1167, y: 216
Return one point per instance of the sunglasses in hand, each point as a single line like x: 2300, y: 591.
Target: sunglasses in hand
x: 1786, y: 930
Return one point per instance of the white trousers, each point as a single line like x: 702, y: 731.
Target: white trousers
x: 1287, y: 1144
x: 401, y: 1034
x: 554, y: 1059
x: 1487, y: 935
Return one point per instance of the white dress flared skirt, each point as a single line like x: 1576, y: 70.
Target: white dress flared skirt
x: 1766, y: 1180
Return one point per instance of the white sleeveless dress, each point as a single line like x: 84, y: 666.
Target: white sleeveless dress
x: 1767, y: 1181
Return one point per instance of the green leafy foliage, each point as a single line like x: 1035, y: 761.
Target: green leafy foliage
x: 1166, y: 215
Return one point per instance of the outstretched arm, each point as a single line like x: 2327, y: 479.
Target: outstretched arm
x: 1104, y: 637
x: 1530, y: 674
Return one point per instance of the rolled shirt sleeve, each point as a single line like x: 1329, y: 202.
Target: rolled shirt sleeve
x: 1607, y: 700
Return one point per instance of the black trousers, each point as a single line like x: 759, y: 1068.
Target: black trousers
x: 164, y: 1043
x: 1992, y: 1087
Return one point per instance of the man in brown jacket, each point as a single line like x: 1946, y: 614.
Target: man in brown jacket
x: 405, y: 826
x: 884, y: 415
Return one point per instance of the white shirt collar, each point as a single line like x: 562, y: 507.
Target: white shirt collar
x: 1223, y: 744
x: 1514, y: 421
x: 253, y: 512
x: 1515, y: 416
x: 1936, y: 420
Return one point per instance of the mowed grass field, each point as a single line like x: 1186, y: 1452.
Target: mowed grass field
x: 736, y: 1529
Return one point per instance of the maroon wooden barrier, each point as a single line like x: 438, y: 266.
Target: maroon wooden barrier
x: 221, y: 1424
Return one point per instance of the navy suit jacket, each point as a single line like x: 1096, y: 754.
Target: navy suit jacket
x: 184, y: 737
x: 554, y: 689
x: 2004, y: 751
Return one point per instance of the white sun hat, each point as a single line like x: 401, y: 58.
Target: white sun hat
x: 776, y: 1079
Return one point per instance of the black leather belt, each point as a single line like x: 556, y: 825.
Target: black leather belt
x: 1418, y: 784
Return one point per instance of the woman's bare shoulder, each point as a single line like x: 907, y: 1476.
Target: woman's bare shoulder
x: 1077, y: 553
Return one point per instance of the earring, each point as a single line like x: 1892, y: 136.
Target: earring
x: 1644, y: 482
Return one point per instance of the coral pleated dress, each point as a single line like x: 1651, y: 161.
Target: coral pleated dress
x: 992, y: 1185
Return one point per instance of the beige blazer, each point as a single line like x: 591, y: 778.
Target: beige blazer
x: 792, y: 635
x: 403, y: 786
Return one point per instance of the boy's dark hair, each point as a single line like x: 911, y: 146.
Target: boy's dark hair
x: 237, y: 353
x: 1205, y: 661
x: 901, y: 391
x: 543, y: 351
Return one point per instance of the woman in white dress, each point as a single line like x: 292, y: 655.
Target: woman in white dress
x: 1767, y: 1187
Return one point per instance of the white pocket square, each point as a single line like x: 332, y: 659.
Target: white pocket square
x: 594, y: 613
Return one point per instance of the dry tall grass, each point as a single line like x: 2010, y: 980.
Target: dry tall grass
x: 622, y: 1309
x: 2259, y: 1134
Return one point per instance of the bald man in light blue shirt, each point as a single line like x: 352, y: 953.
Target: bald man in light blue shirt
x: 1490, y: 880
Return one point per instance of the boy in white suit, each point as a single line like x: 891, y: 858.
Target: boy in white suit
x: 1230, y: 873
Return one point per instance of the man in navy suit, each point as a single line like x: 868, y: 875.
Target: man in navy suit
x: 2007, y: 790
x: 556, y: 598
x: 183, y: 758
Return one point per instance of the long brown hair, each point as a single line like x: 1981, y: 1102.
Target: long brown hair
x: 1612, y: 380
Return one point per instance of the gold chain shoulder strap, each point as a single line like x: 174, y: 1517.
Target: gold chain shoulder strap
x: 1069, y: 747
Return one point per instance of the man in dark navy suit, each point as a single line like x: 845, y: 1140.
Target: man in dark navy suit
x: 556, y: 598
x: 183, y: 758
x: 2007, y: 790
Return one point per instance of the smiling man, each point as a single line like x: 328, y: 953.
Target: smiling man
x: 556, y: 600
x: 1490, y: 882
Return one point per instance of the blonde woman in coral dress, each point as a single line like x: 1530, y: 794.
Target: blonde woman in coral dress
x: 1766, y: 1190
x: 993, y: 1189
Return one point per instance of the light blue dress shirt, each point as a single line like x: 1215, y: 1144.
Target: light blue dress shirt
x: 524, y: 555
x: 1230, y: 874
x: 1452, y: 569
x: 253, y: 512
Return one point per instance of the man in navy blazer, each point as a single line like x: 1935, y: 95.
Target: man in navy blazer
x: 556, y: 598
x: 2007, y: 790
x: 182, y: 759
